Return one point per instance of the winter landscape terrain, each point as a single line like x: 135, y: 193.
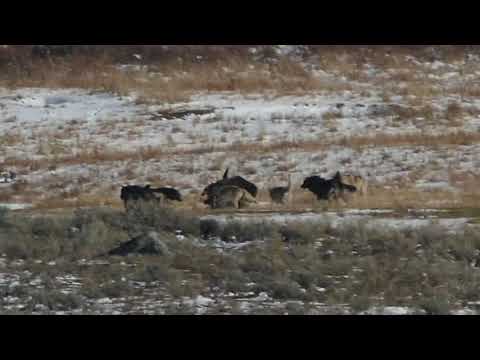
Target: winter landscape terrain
x: 75, y: 128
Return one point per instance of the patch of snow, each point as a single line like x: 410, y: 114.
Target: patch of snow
x: 442, y: 185
x: 390, y: 310
x: 336, y: 220
x: 105, y: 301
x: 464, y: 312
x: 203, y: 301
x: 35, y: 104
x: 15, y: 206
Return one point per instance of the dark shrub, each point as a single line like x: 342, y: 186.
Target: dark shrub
x: 209, y: 229
x: 3, y: 215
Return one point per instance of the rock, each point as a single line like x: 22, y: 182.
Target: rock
x: 146, y: 244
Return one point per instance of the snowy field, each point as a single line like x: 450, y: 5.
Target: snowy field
x: 76, y: 148
x: 47, y: 135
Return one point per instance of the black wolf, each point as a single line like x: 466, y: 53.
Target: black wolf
x: 169, y: 193
x: 327, y: 189
x: 134, y: 193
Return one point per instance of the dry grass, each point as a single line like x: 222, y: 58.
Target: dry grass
x: 332, y: 115
x: 467, y: 91
x: 420, y: 89
x: 421, y: 115
x: 417, y: 139
x: 230, y: 73
x: 101, y: 154
x: 11, y: 139
x: 5, y: 196
x: 175, y: 80
x: 425, y: 269
x: 397, y: 198
x: 380, y: 198
x: 411, y: 198
x: 454, y: 113
x: 83, y: 201
x: 174, y: 84
x: 285, y: 77
x: 222, y: 68
x: 401, y: 196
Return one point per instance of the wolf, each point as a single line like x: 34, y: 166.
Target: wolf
x: 236, y: 181
x: 278, y: 194
x: 328, y: 189
x: 131, y: 194
x: 230, y: 196
x: 170, y: 194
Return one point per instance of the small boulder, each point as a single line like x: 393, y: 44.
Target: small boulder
x: 145, y: 244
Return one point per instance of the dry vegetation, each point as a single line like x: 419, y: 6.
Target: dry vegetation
x: 175, y: 72
x: 400, y: 196
x: 428, y: 270
x: 99, y: 154
x: 84, y: 194
x: 174, y: 83
x: 227, y: 68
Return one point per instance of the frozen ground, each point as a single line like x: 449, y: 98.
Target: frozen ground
x: 45, y: 135
x: 43, y: 124
x: 337, y: 219
x: 111, y: 287
x: 26, y: 288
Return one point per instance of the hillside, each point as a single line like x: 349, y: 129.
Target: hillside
x: 79, y: 122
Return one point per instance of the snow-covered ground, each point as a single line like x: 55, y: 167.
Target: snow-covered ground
x: 74, y: 294
x: 336, y: 220
x: 51, y: 107
x: 56, y: 126
x: 11, y: 206
x: 38, y: 124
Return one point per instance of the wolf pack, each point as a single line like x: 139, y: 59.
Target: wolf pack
x: 238, y: 193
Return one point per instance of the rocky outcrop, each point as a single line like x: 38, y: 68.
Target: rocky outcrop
x: 145, y: 244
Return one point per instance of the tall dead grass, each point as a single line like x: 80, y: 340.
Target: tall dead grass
x: 101, y: 154
x: 382, y: 197
x: 378, y: 198
x: 176, y: 71
x: 174, y: 83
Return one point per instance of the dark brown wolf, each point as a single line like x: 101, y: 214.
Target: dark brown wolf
x: 279, y: 194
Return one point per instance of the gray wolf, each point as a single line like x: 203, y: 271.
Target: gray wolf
x: 230, y: 196
x: 236, y: 181
x: 132, y: 194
